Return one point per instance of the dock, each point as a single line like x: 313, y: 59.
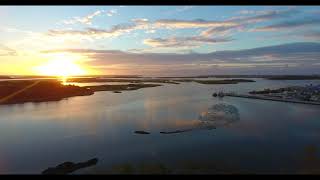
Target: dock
x: 271, y: 98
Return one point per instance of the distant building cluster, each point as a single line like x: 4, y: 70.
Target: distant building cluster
x: 304, y: 93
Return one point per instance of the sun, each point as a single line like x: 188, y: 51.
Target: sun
x: 61, y: 65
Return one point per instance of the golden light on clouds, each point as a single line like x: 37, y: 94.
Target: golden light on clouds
x: 62, y: 65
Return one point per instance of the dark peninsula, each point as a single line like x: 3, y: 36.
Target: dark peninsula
x: 5, y: 77
x: 21, y: 91
x: 12, y: 92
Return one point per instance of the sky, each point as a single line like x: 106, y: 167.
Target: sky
x: 159, y: 40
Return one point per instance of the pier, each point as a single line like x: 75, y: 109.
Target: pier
x: 271, y: 98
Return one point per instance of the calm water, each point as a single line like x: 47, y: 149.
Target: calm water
x: 270, y: 137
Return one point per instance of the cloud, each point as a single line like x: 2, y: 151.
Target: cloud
x: 214, y: 26
x: 246, y: 12
x: 307, y: 21
x: 179, y: 42
x: 312, y: 35
x: 83, y: 20
x: 241, y: 22
x: 150, y: 31
x: 219, y: 31
x: 141, y: 21
x: 211, y: 28
x: 94, y: 33
x: 85, y: 51
x: 5, y: 51
x: 112, y: 12
x: 272, y: 59
x: 276, y: 51
x: 197, y: 23
x: 141, y: 24
x: 261, y: 16
x: 184, y: 8
x: 307, y: 35
x: 179, y: 10
x: 284, y: 49
x: 98, y: 33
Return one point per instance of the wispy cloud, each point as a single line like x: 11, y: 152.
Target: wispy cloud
x: 6, y: 51
x: 185, y: 8
x: 246, y: 12
x: 273, y: 59
x: 136, y: 24
x: 180, y: 42
x: 112, y: 12
x: 94, y: 33
x: 243, y: 22
x: 212, y: 31
x: 179, y: 10
x: 197, y: 23
x: 300, y: 53
x: 306, y: 35
x: 219, y: 31
x: 98, y: 33
x: 84, y: 20
x: 215, y: 31
x: 260, y: 16
x: 307, y: 21
x: 312, y: 35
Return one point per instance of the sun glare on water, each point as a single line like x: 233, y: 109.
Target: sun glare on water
x: 61, y: 65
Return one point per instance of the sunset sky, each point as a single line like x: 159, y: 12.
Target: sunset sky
x: 159, y: 40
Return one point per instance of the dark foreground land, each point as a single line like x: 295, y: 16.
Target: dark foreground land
x: 13, y: 92
x: 5, y: 77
